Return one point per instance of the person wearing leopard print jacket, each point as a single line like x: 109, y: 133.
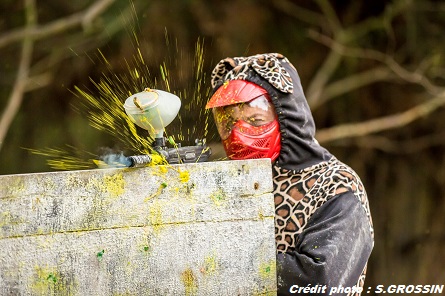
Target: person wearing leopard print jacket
x: 323, y: 226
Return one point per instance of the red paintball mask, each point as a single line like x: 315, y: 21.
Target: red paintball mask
x: 246, y: 120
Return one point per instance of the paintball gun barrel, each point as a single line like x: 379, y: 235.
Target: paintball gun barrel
x: 176, y: 155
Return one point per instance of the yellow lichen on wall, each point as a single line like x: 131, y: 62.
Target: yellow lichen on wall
x: 5, y: 218
x: 72, y: 181
x: 15, y: 187
x: 9, y: 220
x: 48, y: 184
x: 265, y: 292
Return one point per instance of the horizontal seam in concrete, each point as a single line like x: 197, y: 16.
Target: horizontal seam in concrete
x: 250, y: 195
x: 134, y: 226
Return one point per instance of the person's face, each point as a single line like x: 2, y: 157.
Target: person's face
x: 257, y: 113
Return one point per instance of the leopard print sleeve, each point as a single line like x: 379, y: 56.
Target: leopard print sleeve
x: 307, y: 203
x: 298, y: 195
x: 331, y: 251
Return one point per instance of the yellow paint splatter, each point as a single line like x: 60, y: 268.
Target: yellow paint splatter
x: 190, y: 282
x: 70, y: 158
x: 184, y: 176
x: 268, y: 270
x: 155, y: 217
x: 218, y: 197
x: 115, y: 184
x: 210, y: 265
x: 261, y: 214
x: 163, y: 169
x: 47, y: 281
x: 157, y: 193
x: 157, y: 159
x: 103, y: 105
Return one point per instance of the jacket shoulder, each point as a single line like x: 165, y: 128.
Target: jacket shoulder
x: 299, y: 194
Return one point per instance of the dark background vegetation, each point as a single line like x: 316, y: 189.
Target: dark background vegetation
x: 373, y: 72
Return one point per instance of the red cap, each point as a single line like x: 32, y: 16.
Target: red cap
x: 234, y: 92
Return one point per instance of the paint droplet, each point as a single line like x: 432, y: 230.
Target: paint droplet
x: 184, y: 176
x: 100, y: 254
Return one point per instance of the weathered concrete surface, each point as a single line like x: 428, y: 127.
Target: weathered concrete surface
x: 196, y: 229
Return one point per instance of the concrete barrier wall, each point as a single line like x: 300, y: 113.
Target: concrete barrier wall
x: 195, y: 229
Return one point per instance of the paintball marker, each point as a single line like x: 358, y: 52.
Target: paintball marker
x: 153, y: 110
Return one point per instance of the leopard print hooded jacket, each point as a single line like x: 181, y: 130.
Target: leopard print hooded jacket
x: 323, y: 226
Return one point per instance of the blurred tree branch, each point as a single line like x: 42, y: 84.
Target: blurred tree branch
x: 18, y: 89
x: 83, y: 18
x: 363, y: 128
x: 342, y: 35
x: 351, y: 83
x: 388, y: 122
x: 321, y: 89
x: 416, y: 77
x: 30, y: 33
x: 388, y: 145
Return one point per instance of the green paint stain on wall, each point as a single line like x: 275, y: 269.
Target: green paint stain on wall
x: 52, y: 277
x: 267, y: 270
x: 47, y: 281
x: 100, y: 255
x: 218, y: 197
